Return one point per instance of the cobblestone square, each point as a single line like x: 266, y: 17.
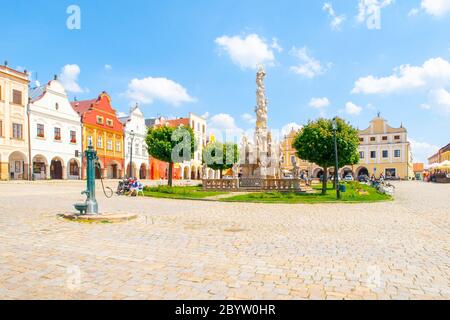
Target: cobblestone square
x: 212, y: 250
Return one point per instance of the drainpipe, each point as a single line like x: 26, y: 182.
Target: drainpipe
x: 30, y: 165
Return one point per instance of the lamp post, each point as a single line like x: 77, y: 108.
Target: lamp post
x: 336, y: 168
x: 132, y: 135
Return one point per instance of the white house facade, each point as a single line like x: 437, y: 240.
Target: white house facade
x: 55, y: 134
x: 136, y: 151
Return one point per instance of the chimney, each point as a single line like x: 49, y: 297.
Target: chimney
x: 6, y: 63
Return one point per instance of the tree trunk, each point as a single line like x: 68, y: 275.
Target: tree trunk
x: 170, y: 178
x: 325, y: 181
x: 221, y: 174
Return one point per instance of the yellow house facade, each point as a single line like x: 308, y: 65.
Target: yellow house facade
x: 383, y: 150
x: 14, y: 162
x: 441, y: 156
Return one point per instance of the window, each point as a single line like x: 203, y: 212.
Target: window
x: 99, y: 120
x: 17, y: 131
x: 385, y: 154
x: 57, y: 134
x: 73, y: 136
x: 89, y: 141
x: 373, y: 139
x: 57, y: 106
x: 385, y: 138
x: 292, y: 159
x: 397, y: 137
x: 361, y: 139
x: 17, y: 97
x: 397, y: 153
x: 40, y: 131
x: 373, y: 154
x: 109, y: 145
x: 198, y: 126
x: 109, y: 122
x: 204, y: 129
x: 99, y: 142
x: 282, y: 159
x: 118, y: 146
x: 136, y: 147
x: 361, y: 154
x: 144, y: 151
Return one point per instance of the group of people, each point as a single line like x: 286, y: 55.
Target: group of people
x: 130, y: 187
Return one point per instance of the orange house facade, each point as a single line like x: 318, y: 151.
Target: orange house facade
x: 102, y: 129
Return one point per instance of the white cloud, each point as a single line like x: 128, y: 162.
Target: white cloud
x: 248, y: 52
x: 352, y: 109
x: 289, y: 127
x: 247, y: 117
x: 413, y: 12
x: 336, y: 20
x: 422, y: 150
x: 121, y: 114
x: 434, y: 72
x: 319, y: 103
x: 205, y: 115
x: 69, y: 78
x: 436, y: 8
x: 441, y: 99
x: 147, y: 90
x: 108, y: 67
x: 425, y: 106
x: 275, y: 45
x: 309, y: 66
x: 224, y: 128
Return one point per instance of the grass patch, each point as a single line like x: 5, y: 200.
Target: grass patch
x: 180, y: 192
x: 356, y: 193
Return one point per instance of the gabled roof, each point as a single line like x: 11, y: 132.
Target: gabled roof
x: 36, y: 93
x: 83, y: 106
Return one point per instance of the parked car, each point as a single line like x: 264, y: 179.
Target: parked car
x: 349, y: 177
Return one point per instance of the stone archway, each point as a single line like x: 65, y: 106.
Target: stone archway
x: 362, y: 171
x: 131, y: 173
x: 346, y: 171
x: 73, y: 169
x: 57, y: 169
x: 39, y: 167
x: 113, y: 170
x: 193, y: 173
x: 18, y: 166
x: 99, y: 170
x: 318, y: 173
x: 186, y: 172
x: 143, y: 172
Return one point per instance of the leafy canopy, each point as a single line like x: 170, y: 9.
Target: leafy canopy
x: 172, y: 145
x: 315, y: 143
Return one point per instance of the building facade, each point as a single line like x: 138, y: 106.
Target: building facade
x: 383, y: 151
x: 188, y: 170
x: 441, y: 156
x: 102, y: 129
x: 55, y: 134
x: 136, y: 153
x: 14, y: 146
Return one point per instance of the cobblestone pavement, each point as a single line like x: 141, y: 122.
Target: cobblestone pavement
x: 208, y: 250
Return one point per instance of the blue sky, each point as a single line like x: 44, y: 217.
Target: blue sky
x: 323, y: 58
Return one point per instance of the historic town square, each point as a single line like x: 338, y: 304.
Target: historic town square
x: 225, y: 159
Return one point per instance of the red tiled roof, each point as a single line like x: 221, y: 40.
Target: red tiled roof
x: 176, y: 123
x: 82, y: 106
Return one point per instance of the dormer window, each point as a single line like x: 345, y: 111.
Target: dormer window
x: 109, y: 122
x: 99, y: 120
x: 397, y: 137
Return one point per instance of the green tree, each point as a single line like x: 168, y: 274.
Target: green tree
x: 171, y: 145
x: 221, y: 156
x: 315, y: 143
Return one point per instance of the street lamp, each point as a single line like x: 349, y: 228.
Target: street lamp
x: 336, y: 167
x: 132, y: 135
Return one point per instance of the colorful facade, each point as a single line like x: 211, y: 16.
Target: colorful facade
x: 383, y: 151
x: 14, y: 140
x: 102, y: 129
x: 55, y: 134
x: 441, y: 156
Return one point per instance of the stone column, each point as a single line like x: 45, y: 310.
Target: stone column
x: 64, y: 173
x: 47, y: 171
